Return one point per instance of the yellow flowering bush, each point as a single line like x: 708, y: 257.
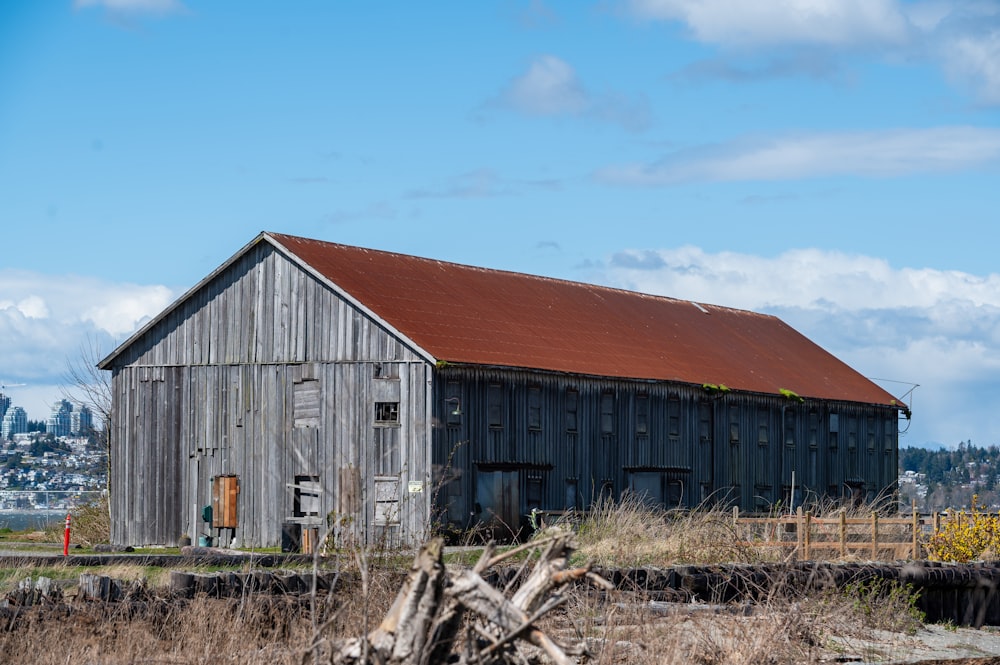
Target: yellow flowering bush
x: 965, y: 537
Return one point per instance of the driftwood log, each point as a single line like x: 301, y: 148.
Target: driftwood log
x: 444, y: 615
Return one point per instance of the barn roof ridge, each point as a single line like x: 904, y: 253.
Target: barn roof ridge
x: 514, y: 273
x: 463, y: 314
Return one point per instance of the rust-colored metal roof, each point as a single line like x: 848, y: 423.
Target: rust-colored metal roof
x: 464, y: 314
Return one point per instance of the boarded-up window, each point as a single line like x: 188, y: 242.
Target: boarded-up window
x: 387, y: 455
x: 386, y: 500
x: 734, y: 424
x: 674, y: 416
x: 642, y: 414
x: 813, y: 429
x: 890, y: 431
x: 534, y: 408
x: 494, y: 406
x: 305, y: 404
x: 790, y: 425
x: 572, y: 408
x: 762, y: 427
x: 870, y: 433
x: 607, y: 413
x: 704, y: 423
x: 306, y: 496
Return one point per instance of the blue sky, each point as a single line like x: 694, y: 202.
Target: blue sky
x: 833, y: 162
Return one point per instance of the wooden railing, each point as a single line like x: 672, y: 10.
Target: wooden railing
x: 872, y: 537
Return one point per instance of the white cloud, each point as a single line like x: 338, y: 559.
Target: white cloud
x: 550, y: 87
x: 45, y: 320
x: 939, y: 329
x: 791, y: 157
x: 974, y: 60
x: 960, y: 36
x: 742, y: 23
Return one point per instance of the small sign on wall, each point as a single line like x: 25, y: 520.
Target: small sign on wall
x: 415, y: 486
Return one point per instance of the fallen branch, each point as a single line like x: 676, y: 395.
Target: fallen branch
x: 423, y: 625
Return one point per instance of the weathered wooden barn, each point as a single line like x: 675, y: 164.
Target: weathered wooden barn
x: 315, y: 384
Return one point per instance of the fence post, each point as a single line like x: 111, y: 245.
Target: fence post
x: 915, y: 552
x: 843, y: 532
x: 935, y: 522
x: 798, y: 532
x: 808, y: 536
x: 874, y: 536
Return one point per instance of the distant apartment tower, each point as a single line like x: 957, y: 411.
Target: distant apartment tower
x: 15, y: 421
x: 4, y: 405
x: 59, y: 421
x: 81, y: 421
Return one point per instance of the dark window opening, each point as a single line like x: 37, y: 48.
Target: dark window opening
x: 571, y: 499
x: 453, y: 404
x: 533, y: 490
x: 306, y: 496
x: 386, y: 413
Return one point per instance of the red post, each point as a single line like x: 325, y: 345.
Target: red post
x: 66, y: 538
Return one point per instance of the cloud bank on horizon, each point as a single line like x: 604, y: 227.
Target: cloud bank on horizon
x: 901, y: 326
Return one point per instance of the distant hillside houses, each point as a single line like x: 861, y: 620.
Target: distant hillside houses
x: 42, y: 472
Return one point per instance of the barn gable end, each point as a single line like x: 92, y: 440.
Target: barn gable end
x: 265, y: 373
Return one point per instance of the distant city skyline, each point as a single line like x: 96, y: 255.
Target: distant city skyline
x: 63, y: 417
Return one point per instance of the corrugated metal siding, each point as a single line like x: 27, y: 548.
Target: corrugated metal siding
x: 702, y: 446
x: 211, y: 391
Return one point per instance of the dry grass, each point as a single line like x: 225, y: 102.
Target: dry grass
x: 628, y: 533
x: 90, y: 525
x: 785, y: 625
x: 788, y: 625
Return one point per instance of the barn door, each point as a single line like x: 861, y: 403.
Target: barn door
x: 498, y: 503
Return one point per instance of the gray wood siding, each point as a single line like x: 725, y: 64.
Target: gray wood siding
x: 189, y: 424
x: 211, y: 390
x: 264, y: 309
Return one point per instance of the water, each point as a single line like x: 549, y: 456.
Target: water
x: 36, y: 520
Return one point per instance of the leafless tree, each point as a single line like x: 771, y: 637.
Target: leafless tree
x: 85, y: 384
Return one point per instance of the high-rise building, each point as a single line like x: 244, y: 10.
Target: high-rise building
x: 59, y: 423
x: 81, y: 420
x: 4, y: 405
x: 15, y: 421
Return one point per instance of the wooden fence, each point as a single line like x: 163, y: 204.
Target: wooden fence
x: 875, y: 536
